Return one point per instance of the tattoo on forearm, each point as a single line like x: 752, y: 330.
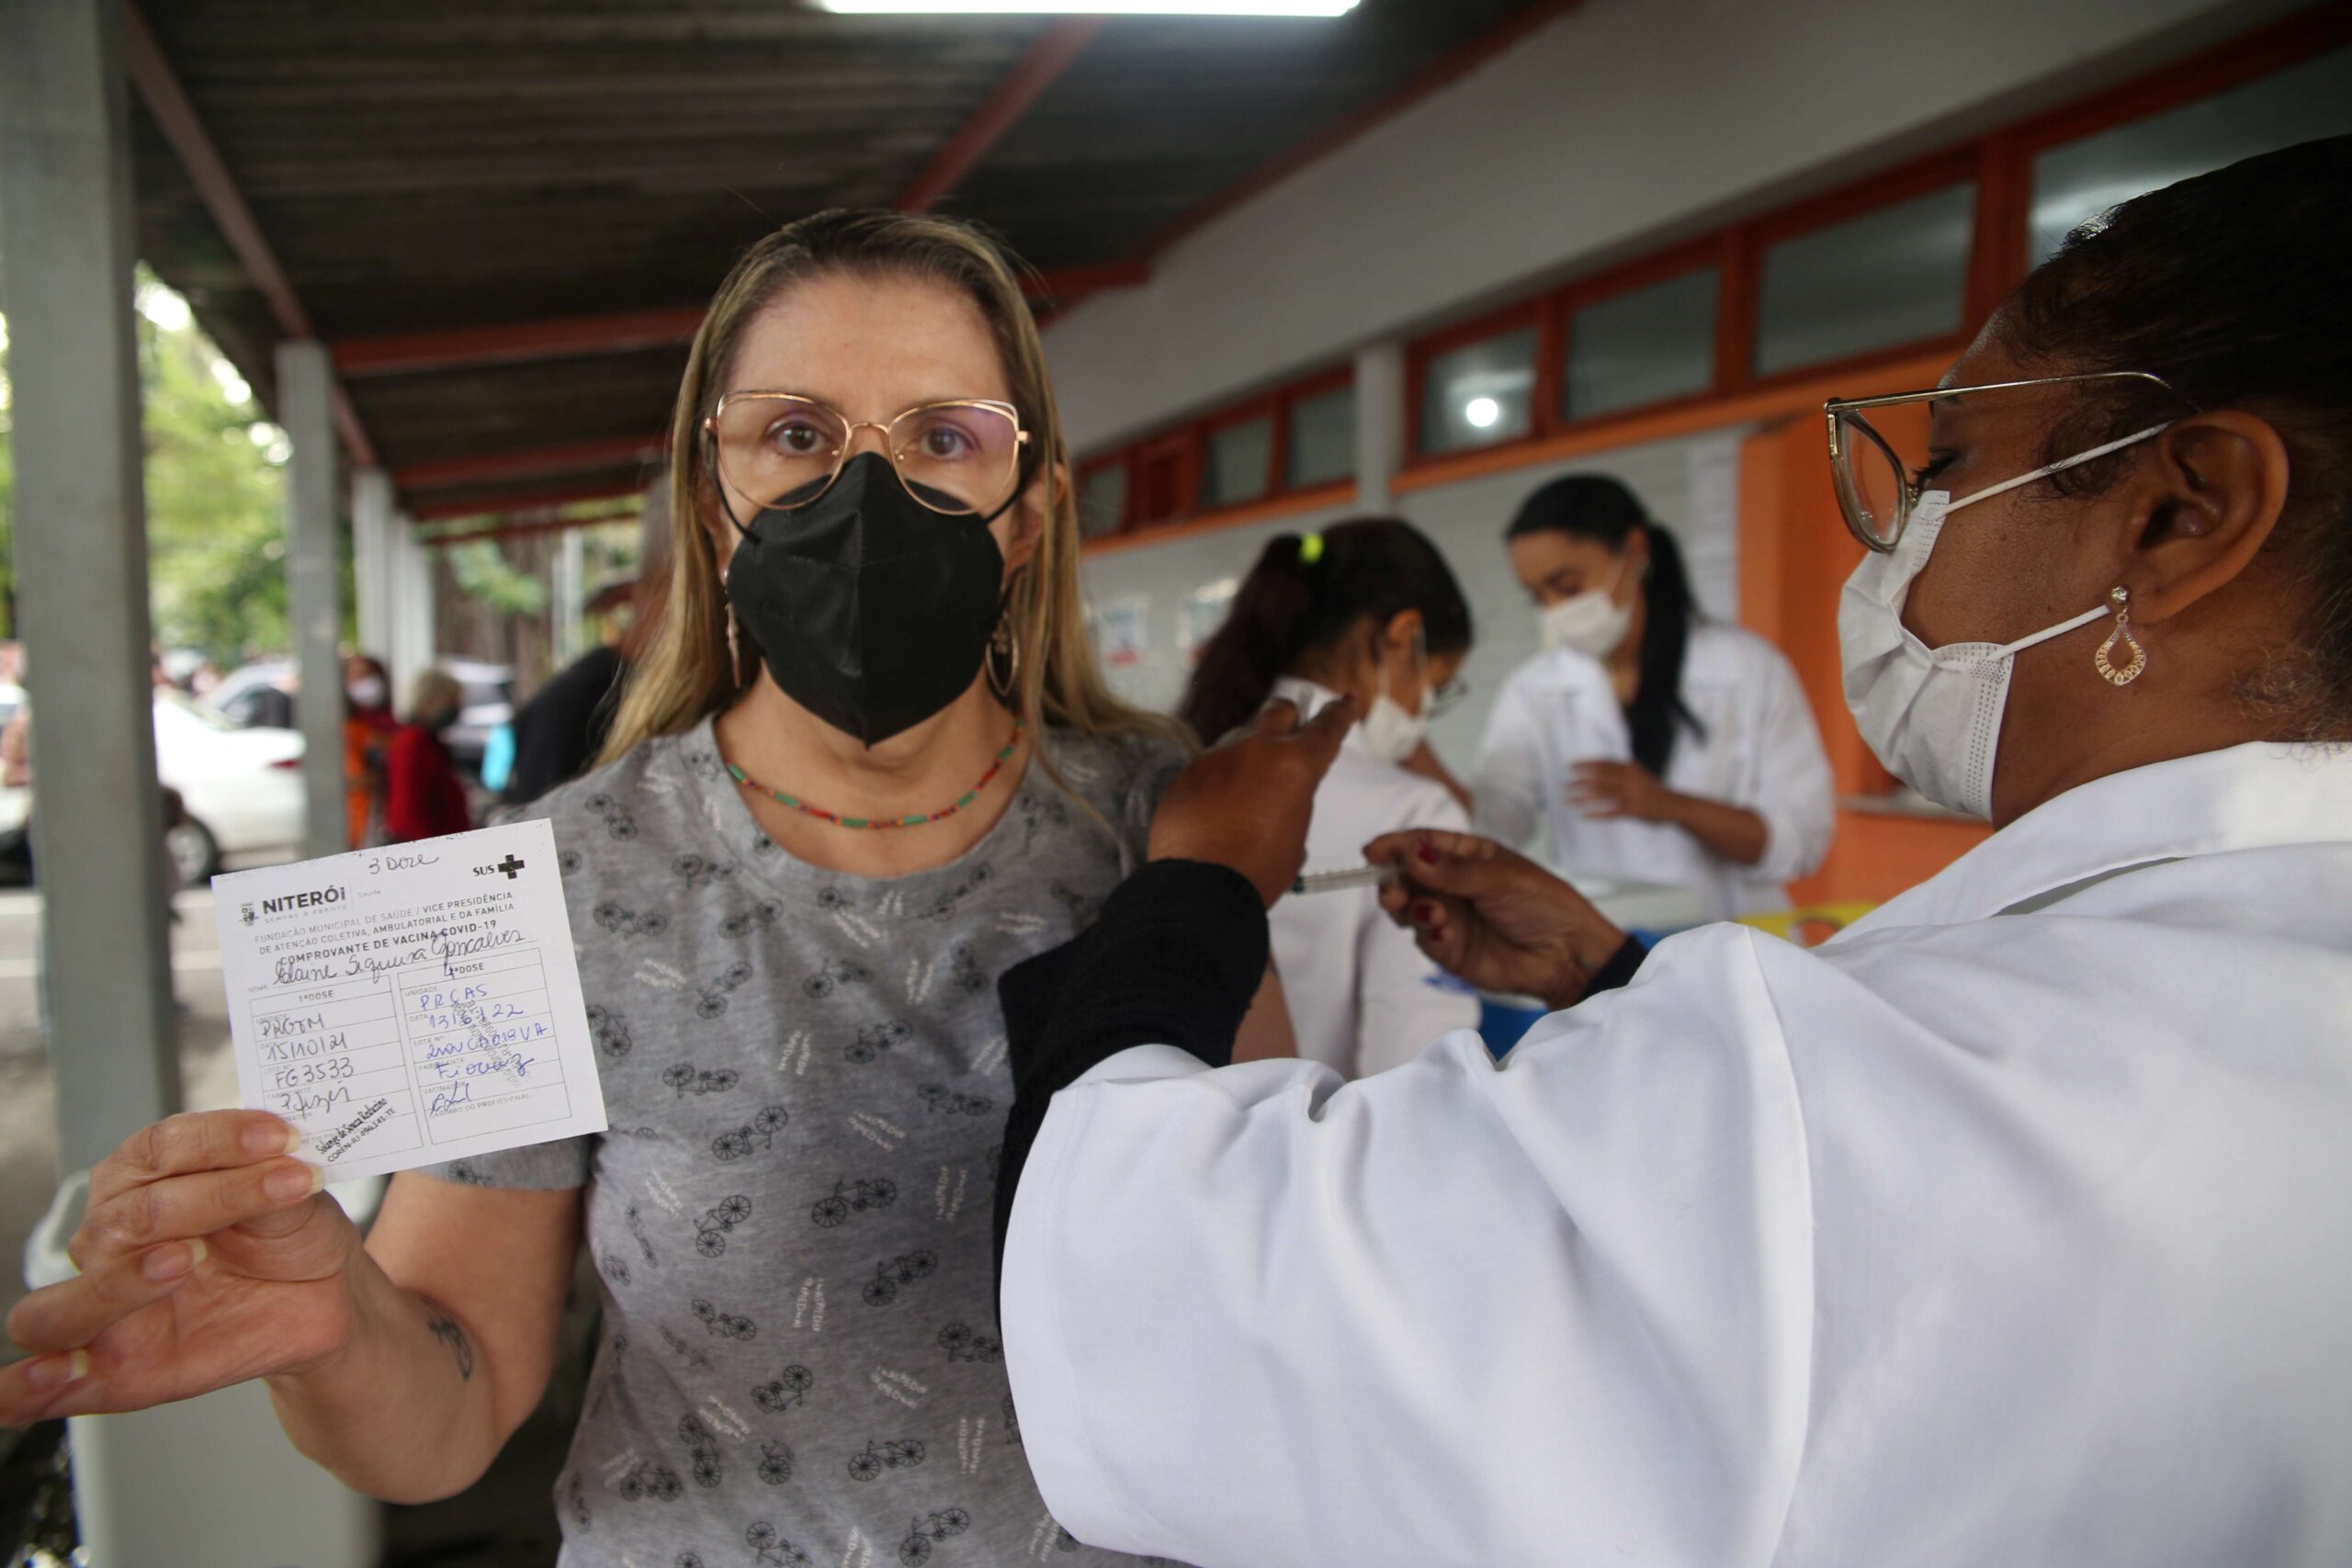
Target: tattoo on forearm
x: 445, y: 1328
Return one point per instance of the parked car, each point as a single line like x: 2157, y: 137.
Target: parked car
x: 256, y: 696
x: 242, y: 788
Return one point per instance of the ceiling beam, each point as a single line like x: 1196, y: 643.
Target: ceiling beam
x: 525, y: 501
x: 515, y: 528
x: 516, y: 343
x: 159, y: 88
x: 1058, y: 284
x: 1040, y: 65
x: 567, y: 457
x: 624, y: 332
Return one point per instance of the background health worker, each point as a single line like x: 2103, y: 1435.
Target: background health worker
x: 2006, y: 1227
x: 1649, y: 742
x: 1366, y: 609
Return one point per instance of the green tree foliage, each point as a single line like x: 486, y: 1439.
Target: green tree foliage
x: 484, y: 573
x: 215, y: 475
x: 215, y: 492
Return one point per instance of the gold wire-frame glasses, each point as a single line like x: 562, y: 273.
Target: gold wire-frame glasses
x: 958, y: 456
x: 1875, y: 490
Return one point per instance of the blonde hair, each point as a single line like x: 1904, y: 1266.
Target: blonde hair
x: 434, y: 690
x: 687, y: 673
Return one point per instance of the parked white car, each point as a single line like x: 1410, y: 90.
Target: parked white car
x: 243, y: 787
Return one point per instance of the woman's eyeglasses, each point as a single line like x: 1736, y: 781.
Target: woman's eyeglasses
x: 1876, y: 491
x: 959, y: 457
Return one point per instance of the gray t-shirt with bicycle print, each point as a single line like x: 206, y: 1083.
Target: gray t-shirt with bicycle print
x: 806, y: 1079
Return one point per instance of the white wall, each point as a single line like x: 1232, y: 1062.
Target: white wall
x: 1615, y: 129
x: 1688, y: 484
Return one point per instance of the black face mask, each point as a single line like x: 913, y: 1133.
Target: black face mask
x: 871, y: 610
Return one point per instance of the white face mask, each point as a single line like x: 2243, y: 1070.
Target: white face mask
x: 1592, y: 622
x: 367, y: 692
x: 1933, y: 715
x: 1391, y: 732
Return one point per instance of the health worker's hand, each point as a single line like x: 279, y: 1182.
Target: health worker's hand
x: 1247, y: 804
x: 1491, y: 917
x: 1604, y: 791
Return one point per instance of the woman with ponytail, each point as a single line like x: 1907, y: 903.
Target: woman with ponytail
x: 1648, y: 741
x: 1366, y: 609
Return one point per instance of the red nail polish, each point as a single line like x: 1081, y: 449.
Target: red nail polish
x: 1424, y: 914
x: 1428, y: 853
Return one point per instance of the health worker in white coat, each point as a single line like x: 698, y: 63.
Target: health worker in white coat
x: 1367, y: 610
x: 2010, y: 1226
x: 1649, y: 743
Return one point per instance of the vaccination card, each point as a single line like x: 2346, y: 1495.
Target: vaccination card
x: 411, y: 1005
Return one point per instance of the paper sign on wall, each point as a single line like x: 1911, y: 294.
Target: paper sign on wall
x: 1120, y: 627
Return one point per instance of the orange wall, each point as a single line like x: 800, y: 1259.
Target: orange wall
x: 1795, y: 555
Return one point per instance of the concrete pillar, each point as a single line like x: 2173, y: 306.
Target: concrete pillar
x: 571, y: 595
x: 81, y: 557
x: 412, y: 639
x: 313, y: 552
x: 371, y: 559
x: 1380, y: 422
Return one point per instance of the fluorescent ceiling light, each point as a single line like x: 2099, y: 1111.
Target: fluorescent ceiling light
x: 1092, y: 7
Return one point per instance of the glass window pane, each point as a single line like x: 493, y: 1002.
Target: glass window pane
x: 1102, y: 500
x: 1240, y: 461
x: 2076, y: 183
x: 1890, y: 276
x: 1479, y: 393
x: 1322, y: 439
x: 1643, y: 347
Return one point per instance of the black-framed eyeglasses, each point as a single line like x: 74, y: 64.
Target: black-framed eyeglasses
x: 958, y: 456
x: 1876, y: 491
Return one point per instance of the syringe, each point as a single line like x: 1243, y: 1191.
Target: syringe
x: 1337, y: 881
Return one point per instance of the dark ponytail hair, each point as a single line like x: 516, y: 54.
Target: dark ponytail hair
x: 1597, y: 507
x: 1305, y: 594
x: 2232, y: 287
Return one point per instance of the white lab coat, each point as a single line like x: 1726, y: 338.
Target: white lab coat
x: 1362, y: 999
x: 2009, y: 1227
x: 1761, y: 750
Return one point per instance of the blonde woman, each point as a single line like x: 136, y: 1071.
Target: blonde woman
x: 867, y: 766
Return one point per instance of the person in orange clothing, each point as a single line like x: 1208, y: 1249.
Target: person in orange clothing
x: 368, y: 725
x: 423, y: 798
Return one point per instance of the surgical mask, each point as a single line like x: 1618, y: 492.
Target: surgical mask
x: 871, y: 610
x: 1933, y: 715
x: 367, y: 692
x: 1391, y: 731
x: 1592, y: 622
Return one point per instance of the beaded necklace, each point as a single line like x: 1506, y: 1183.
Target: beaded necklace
x: 879, y: 824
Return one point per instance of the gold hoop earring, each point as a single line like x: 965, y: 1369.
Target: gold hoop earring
x: 2120, y: 597
x: 1003, y: 660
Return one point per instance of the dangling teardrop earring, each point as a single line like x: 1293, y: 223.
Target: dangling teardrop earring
x: 2120, y: 597
x: 734, y: 636
x: 1004, y: 660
